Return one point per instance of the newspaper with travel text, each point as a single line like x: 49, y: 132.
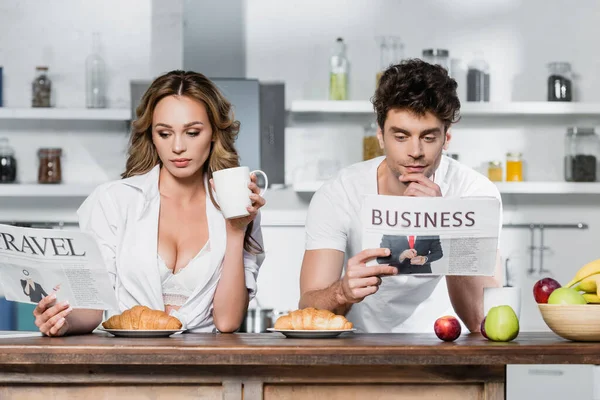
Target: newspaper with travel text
x: 433, y: 235
x: 35, y: 263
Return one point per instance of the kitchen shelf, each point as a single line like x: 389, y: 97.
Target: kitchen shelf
x: 505, y: 187
x: 46, y: 190
x: 549, y: 187
x: 101, y: 114
x: 467, y: 109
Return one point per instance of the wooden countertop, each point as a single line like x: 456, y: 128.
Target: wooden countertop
x: 275, y: 349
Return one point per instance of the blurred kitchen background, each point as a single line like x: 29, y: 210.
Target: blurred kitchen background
x: 300, y: 75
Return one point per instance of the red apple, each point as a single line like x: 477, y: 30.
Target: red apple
x: 544, y: 288
x: 447, y: 328
x: 482, y: 328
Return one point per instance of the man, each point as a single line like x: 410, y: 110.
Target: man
x: 415, y: 104
x: 411, y: 254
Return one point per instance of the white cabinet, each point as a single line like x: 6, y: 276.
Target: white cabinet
x: 549, y: 382
x: 279, y: 276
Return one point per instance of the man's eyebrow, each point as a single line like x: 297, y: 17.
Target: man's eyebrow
x: 431, y: 130
x: 396, y: 129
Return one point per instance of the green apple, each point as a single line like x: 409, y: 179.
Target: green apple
x: 566, y: 295
x: 501, y: 324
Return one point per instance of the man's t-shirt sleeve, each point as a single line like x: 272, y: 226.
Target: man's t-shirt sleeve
x: 326, y: 221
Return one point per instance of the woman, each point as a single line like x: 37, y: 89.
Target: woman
x: 161, y: 234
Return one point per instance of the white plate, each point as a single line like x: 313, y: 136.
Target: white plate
x: 133, y: 333
x: 314, y: 334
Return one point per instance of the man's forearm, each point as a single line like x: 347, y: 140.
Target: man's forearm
x: 466, y: 296
x: 331, y: 298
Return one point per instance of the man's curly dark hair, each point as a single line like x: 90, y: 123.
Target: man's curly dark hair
x: 417, y: 86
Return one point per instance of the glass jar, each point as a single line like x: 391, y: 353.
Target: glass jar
x: 495, y: 171
x: 391, y: 52
x: 371, y: 148
x: 582, y: 148
x: 514, y: 167
x: 41, y: 88
x: 8, y: 163
x: 560, y: 87
x: 49, y: 165
x: 437, y: 56
x: 478, y: 79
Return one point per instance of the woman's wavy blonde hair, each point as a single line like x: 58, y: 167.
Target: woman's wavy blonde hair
x: 142, y: 154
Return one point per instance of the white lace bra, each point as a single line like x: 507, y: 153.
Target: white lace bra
x: 176, y: 288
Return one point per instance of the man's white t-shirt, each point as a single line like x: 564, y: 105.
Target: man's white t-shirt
x: 403, y: 303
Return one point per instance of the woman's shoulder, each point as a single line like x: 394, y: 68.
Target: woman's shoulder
x: 121, y: 193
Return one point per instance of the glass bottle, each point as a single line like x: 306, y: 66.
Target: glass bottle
x: 478, y: 79
x: 371, y: 148
x: 1, y: 86
x: 560, y: 86
x: 514, y: 167
x: 391, y: 52
x: 437, y: 56
x: 338, y: 72
x: 41, y: 88
x: 50, y: 170
x: 95, y: 96
x: 495, y: 171
x: 8, y: 163
x: 582, y: 149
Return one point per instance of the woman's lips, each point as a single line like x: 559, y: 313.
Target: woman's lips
x: 181, y: 162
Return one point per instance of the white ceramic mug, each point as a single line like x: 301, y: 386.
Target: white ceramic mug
x: 231, y: 186
x: 501, y: 296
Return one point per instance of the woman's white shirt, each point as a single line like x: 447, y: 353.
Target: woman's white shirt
x: 122, y: 216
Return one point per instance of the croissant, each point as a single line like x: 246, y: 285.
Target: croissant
x: 142, y: 318
x: 312, y: 319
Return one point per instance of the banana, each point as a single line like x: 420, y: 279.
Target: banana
x: 591, y: 298
x: 591, y: 268
x: 589, y: 284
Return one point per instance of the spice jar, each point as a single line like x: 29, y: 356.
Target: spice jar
x: 437, y: 56
x: 49, y: 168
x: 582, y: 147
x: 371, y: 148
x: 41, y: 88
x: 560, y: 86
x: 478, y: 79
x: 495, y: 171
x: 514, y: 167
x: 8, y: 164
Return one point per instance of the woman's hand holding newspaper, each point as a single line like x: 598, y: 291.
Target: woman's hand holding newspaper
x: 50, y: 317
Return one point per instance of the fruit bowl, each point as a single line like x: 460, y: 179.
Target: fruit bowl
x: 579, y: 322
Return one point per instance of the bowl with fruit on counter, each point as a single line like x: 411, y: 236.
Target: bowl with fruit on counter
x: 572, y: 311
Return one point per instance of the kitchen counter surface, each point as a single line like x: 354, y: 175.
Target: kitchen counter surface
x: 275, y: 349
x: 270, y: 366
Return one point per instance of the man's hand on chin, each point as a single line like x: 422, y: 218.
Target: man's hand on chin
x: 418, y: 185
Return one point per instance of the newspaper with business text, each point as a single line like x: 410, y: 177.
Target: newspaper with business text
x: 35, y: 263
x: 433, y: 235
